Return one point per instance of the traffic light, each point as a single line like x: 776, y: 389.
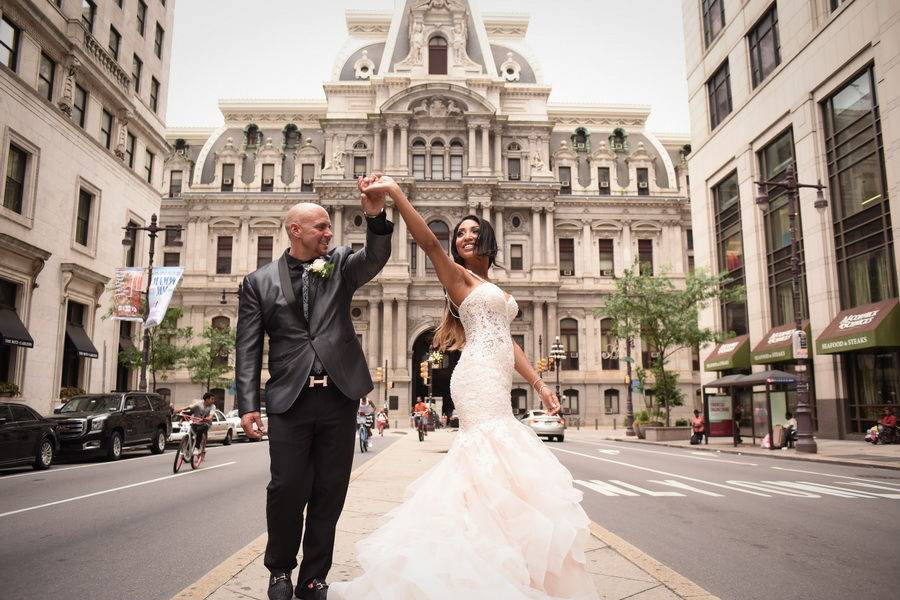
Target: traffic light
x: 379, y: 374
x: 544, y: 365
x: 423, y: 371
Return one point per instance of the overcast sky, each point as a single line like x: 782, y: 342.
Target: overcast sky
x: 600, y: 51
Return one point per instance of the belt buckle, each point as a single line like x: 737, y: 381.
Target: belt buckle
x: 313, y: 382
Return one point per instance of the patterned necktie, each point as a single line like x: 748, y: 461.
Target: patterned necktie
x: 318, y: 369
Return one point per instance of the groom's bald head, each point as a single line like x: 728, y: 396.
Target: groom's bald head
x: 309, y: 229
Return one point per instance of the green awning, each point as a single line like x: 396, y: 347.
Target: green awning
x: 730, y: 354
x: 870, y: 326
x: 777, y: 345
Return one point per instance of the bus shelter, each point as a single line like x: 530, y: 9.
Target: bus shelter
x: 757, y: 405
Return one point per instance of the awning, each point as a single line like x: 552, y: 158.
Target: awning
x: 870, y: 326
x: 764, y: 377
x: 777, y: 345
x: 724, y: 382
x: 730, y: 354
x: 78, y: 337
x: 12, y: 330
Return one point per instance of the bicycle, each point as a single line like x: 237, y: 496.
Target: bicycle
x: 363, y: 437
x: 185, y: 452
x: 420, y: 427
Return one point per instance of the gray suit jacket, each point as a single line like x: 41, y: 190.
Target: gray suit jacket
x: 268, y: 306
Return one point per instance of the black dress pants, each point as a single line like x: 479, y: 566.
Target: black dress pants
x: 311, y: 454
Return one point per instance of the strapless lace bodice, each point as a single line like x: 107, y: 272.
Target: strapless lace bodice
x: 481, y: 382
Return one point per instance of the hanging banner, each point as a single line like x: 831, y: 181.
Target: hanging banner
x: 129, y: 283
x: 162, y: 286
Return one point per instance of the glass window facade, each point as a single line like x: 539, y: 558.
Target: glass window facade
x: 765, y: 47
x: 718, y: 89
x: 729, y: 239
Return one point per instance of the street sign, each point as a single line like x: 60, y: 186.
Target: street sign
x: 800, y: 348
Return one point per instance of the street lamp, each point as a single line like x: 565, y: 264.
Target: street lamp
x: 557, y: 353
x: 153, y: 229
x: 629, y: 404
x: 789, y: 183
x: 222, y: 300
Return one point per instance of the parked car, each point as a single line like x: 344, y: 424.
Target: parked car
x: 220, y: 430
x: 233, y: 415
x: 553, y: 427
x: 106, y: 424
x: 26, y: 437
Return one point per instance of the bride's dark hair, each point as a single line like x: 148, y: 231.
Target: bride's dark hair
x: 450, y: 334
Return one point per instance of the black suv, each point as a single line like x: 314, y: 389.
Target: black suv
x: 108, y: 423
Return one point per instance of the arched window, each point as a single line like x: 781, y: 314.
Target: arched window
x: 518, y: 401
x: 360, y: 145
x: 611, y: 402
x: 437, y: 56
x: 221, y: 323
x: 568, y: 336
x: 437, y: 160
x: 609, y: 347
x: 579, y: 139
x: 418, y: 158
x: 514, y: 147
x: 442, y: 233
x: 570, y: 402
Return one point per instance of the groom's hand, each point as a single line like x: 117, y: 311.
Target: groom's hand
x: 247, y: 422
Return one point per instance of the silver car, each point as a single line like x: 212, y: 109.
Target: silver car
x: 550, y: 426
x: 220, y: 430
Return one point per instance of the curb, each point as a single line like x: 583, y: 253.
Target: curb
x: 237, y: 562
x: 677, y: 583
x: 774, y: 454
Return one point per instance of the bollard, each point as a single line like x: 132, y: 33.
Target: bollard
x: 395, y: 424
x: 578, y: 424
x: 595, y: 424
x: 614, y: 422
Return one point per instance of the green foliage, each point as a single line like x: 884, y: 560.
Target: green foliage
x: 665, y: 317
x: 208, y: 362
x: 681, y: 423
x: 68, y: 392
x: 168, y: 347
x: 643, y: 416
x: 7, y: 388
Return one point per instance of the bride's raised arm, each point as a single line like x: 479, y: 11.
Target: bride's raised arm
x: 452, y: 276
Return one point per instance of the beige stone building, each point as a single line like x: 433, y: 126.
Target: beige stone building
x: 813, y: 85
x: 453, y: 103
x: 82, y: 93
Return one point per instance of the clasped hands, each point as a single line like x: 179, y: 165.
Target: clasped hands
x: 373, y: 190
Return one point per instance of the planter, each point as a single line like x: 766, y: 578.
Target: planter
x: 667, y: 434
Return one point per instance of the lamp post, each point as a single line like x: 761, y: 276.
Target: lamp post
x: 153, y: 229
x: 223, y: 300
x: 629, y: 404
x: 557, y: 353
x: 789, y: 183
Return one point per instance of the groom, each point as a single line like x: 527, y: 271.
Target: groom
x: 317, y: 375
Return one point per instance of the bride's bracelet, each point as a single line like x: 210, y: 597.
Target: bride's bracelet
x: 535, y: 382
x: 543, y: 387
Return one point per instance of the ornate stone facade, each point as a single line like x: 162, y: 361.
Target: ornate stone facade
x: 478, y: 139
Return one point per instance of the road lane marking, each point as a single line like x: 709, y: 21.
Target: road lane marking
x: 684, y: 486
x: 608, y: 451
x: 99, y: 464
x: 877, y: 487
x: 831, y: 490
x: 607, y: 489
x: 677, y: 454
x: 666, y: 473
x: 773, y: 487
x: 646, y: 491
x: 116, y: 489
x: 836, y: 475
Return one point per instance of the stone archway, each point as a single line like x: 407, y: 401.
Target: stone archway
x: 440, y: 388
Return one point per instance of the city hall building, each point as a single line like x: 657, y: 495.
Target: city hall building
x: 83, y: 88
x: 452, y: 103
x: 813, y: 86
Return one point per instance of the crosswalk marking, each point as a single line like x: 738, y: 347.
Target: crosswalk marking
x: 684, y: 486
x: 774, y: 488
x: 607, y: 489
x: 648, y: 492
x: 896, y: 485
x: 608, y: 451
x: 877, y: 487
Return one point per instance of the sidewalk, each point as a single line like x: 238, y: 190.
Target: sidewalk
x: 836, y: 452
x: 620, y: 570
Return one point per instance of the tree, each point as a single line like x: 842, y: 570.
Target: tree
x: 208, y: 362
x: 666, y: 318
x: 168, y: 347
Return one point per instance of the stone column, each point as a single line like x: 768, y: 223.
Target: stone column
x: 626, y: 259
x: 189, y: 239
x: 403, y: 240
x: 549, y: 235
x: 428, y: 163
x: 486, y: 146
x: 498, y: 232
x: 400, y: 360
x: 486, y: 211
x: 420, y: 262
x: 588, y: 346
x: 376, y: 151
x: 329, y: 149
x: 404, y: 149
x: 373, y: 333
x: 536, y: 236
x: 472, y: 163
x: 498, y: 156
x: 243, y: 247
x: 387, y: 332
x: 338, y: 225
x: 552, y: 322
x: 587, y: 251
x: 538, y: 329
x: 389, y: 151
x: 201, y: 245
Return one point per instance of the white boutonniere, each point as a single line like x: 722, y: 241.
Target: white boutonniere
x: 321, y: 267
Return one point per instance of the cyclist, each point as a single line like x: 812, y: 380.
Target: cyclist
x: 202, y: 409
x: 420, y: 410
x: 366, y: 415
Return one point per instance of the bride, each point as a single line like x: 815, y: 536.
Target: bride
x: 498, y: 518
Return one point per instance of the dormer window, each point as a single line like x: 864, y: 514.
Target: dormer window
x: 579, y: 139
x: 603, y: 178
x: 437, y: 56
x: 252, y: 136
x: 643, y: 182
x: 291, y: 136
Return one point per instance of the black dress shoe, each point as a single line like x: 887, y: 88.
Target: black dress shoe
x: 314, y: 589
x: 280, y: 586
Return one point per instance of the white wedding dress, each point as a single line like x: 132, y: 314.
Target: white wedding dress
x: 498, y: 518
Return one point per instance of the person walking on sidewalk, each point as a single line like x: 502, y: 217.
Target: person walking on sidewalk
x: 699, y: 426
x: 318, y: 373
x: 736, y: 421
x: 466, y: 514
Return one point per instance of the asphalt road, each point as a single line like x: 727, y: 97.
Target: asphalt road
x: 130, y: 529
x: 747, y: 527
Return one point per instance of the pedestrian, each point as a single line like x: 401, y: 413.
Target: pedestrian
x: 318, y: 372
x: 790, y: 428
x: 380, y: 422
x: 698, y: 425
x: 736, y: 421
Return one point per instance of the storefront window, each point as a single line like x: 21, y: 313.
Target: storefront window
x: 873, y: 382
